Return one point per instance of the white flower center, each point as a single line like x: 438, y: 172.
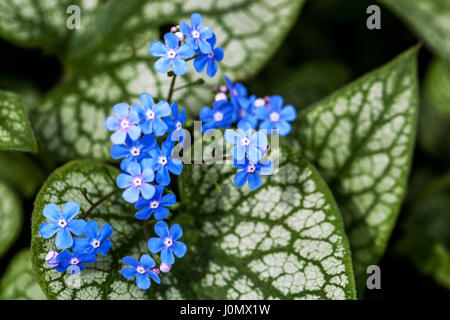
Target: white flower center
x: 251, y: 168
x: 195, y: 34
x: 140, y: 269
x: 74, y: 261
x: 218, y: 116
x: 274, y: 116
x: 137, y: 181
x: 245, y: 141
x: 124, y: 124
x: 260, y: 102
x: 211, y: 54
x: 168, y: 242
x: 95, y: 243
x: 162, y: 161
x: 150, y: 114
x: 242, y: 113
x: 171, y: 54
x: 135, y: 151
x: 178, y: 125
x: 62, y: 223
x: 154, y: 204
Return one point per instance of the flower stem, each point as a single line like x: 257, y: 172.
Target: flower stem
x: 96, y: 204
x: 218, y: 188
x: 197, y: 82
x: 172, y: 84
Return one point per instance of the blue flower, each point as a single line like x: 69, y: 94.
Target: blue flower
x: 219, y: 117
x: 236, y: 91
x: 62, y: 224
x: 161, y: 161
x: 171, y: 54
x: 246, y: 142
x: 141, y: 269
x: 133, y: 151
x: 96, y: 241
x: 152, y: 115
x: 136, y: 181
x: 73, y: 262
x: 124, y: 123
x: 197, y: 35
x: 251, y: 171
x: 275, y: 117
x: 178, y: 134
x: 246, y: 110
x: 209, y: 59
x: 155, y: 205
x: 167, y: 243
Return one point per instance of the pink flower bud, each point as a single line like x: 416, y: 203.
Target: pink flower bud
x: 165, y: 267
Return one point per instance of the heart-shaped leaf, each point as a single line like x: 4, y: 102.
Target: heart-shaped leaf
x: 18, y: 281
x: 10, y: 217
x: 107, y: 61
x: 284, y: 240
x: 86, y: 183
x: 361, y: 138
x: 15, y: 130
x: 430, y: 19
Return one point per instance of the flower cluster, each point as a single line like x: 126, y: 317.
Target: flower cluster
x: 186, y: 42
x: 232, y: 104
x: 84, y: 249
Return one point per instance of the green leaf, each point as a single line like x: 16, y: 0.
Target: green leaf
x: 23, y: 172
x: 101, y: 280
x: 107, y: 61
x: 361, y: 139
x: 426, y: 238
x: 10, y: 217
x: 18, y: 281
x: 15, y: 130
x: 284, y: 240
x: 434, y: 120
x: 430, y: 19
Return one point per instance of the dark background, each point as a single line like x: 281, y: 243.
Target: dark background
x: 328, y: 30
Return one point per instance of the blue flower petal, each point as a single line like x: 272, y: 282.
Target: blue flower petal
x: 200, y: 63
x: 111, y: 123
x: 128, y: 272
x: 134, y: 132
x: 63, y: 256
x: 104, y: 248
x: 131, y: 261
x: 162, y: 65
x: 276, y: 102
x: 185, y: 51
x: 162, y: 109
x: 162, y: 229
x: 88, y: 258
x: 105, y: 232
x: 124, y: 180
x: 161, y: 213
x: 168, y: 200
x: 143, y: 214
x: 254, y: 181
x: 118, y: 137
x: 64, y: 239
x: 288, y: 113
x: 91, y: 229
x: 70, y: 210
x: 218, y: 54
x: 81, y: 244
x: 204, y: 46
x: 134, y: 169
x: 284, y: 127
x: 211, y: 69
x: 240, y: 178
x: 147, y: 190
x: 148, y: 175
x: 171, y: 40
x: 48, y: 229
x: 119, y: 151
x: 154, y: 276
x: 206, y: 32
x: 147, y: 262
x: 157, y: 49
x: 167, y: 256
x: 175, y: 166
x: 159, y: 127
x: 131, y: 195
x: 179, y: 66
x: 179, y: 249
x: 163, y: 177
x: 175, y: 232
x: 196, y: 20
x: 143, y: 281
x: 121, y: 110
x: 51, y: 212
x: 77, y: 226
x: 155, y: 245
x: 184, y: 28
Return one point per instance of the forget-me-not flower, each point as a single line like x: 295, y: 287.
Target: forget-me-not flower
x: 96, y: 240
x: 276, y: 117
x: 197, y: 35
x: 133, y: 150
x: 142, y: 270
x: 220, y: 116
x: 209, y: 59
x: 136, y: 181
x: 246, y: 141
x: 73, y: 262
x: 167, y: 242
x: 177, y: 134
x: 62, y: 223
x: 251, y: 171
x: 125, y: 123
x: 151, y: 115
x: 156, y: 205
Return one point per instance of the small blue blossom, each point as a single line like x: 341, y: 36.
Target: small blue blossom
x: 246, y: 142
x: 96, y: 241
x: 177, y: 134
x: 171, y: 54
x: 156, y: 205
x: 275, y: 117
x: 167, y: 242
x: 142, y: 270
x: 161, y: 161
x: 62, y: 223
x: 125, y: 123
x: 133, y: 151
x: 73, y: 262
x: 209, y: 59
x: 236, y: 91
x: 136, y: 182
x: 251, y: 171
x: 151, y: 115
x: 220, y: 116
x: 197, y: 35
x: 246, y: 110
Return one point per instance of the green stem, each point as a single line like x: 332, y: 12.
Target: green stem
x: 197, y: 82
x: 96, y: 204
x: 218, y: 188
x: 172, y: 84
